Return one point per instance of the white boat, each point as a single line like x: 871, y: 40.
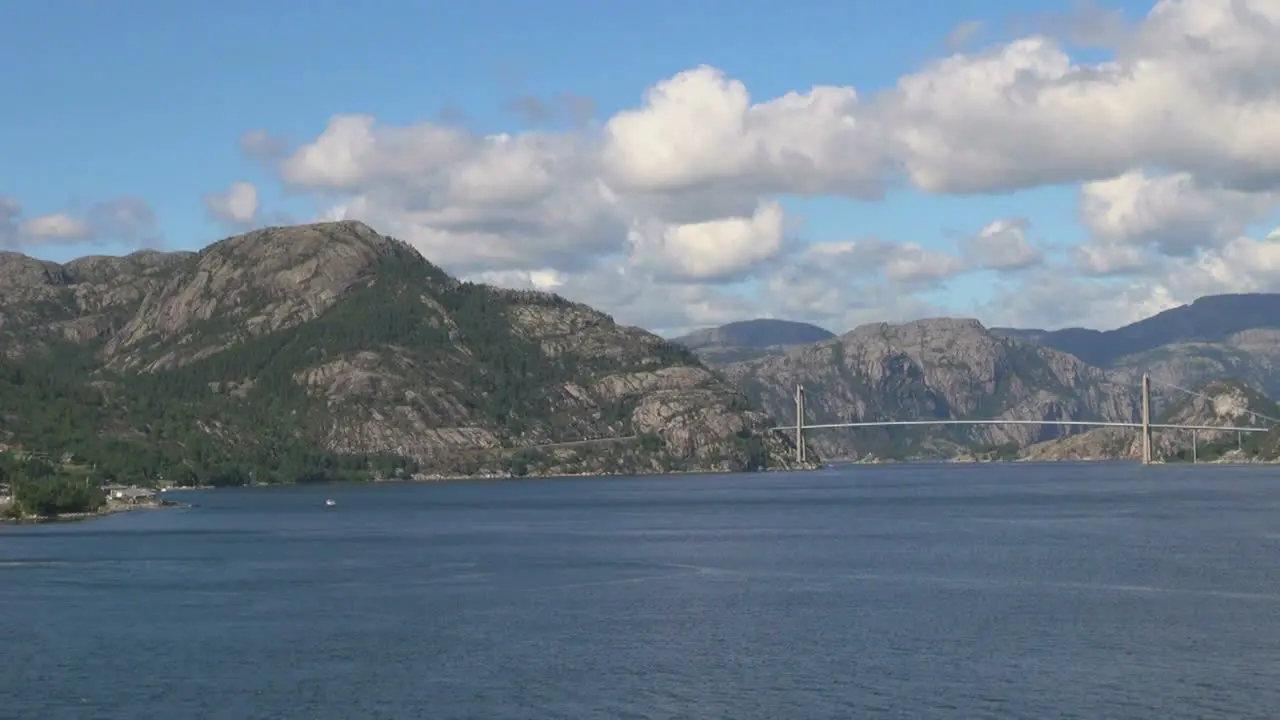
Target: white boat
x: 330, y: 502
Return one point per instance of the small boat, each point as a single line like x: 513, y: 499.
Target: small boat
x: 330, y: 502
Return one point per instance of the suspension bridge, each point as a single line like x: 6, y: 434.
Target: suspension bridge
x: 1145, y: 426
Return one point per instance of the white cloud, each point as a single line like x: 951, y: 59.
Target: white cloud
x: 1193, y: 89
x: 1055, y: 297
x: 124, y: 219
x: 238, y: 205
x: 58, y: 226
x: 1174, y: 213
x: 844, y: 284
x: 1175, y: 141
x: 908, y: 264
x: 1002, y: 246
x: 635, y: 298
x: 353, y: 152
x: 699, y: 128
x: 713, y: 250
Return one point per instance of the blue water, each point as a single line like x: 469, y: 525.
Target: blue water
x: 982, y: 591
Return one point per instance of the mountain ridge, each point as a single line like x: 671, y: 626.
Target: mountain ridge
x: 935, y: 368
x: 746, y: 339
x: 329, y: 341
x: 1218, y: 403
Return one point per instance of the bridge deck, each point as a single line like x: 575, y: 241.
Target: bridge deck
x: 1077, y: 423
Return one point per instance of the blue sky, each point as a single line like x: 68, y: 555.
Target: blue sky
x: 150, y: 97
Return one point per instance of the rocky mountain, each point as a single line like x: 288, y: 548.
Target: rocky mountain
x: 749, y: 339
x: 43, y: 302
x: 329, y: 350
x: 931, y: 369
x: 1215, y: 337
x: 1219, y: 403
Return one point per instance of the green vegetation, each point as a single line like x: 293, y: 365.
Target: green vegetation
x: 44, y: 488
x: 241, y: 416
x: 1000, y: 452
x: 234, y: 367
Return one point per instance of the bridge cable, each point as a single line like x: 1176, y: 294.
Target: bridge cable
x: 1210, y: 398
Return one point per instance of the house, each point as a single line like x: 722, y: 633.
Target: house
x: 133, y: 495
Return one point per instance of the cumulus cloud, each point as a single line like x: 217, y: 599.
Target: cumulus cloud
x: 1173, y: 140
x: 58, y: 226
x: 1002, y: 246
x: 129, y: 220
x: 238, y: 205
x: 700, y: 128
x: 843, y: 284
x: 713, y: 250
x: 1240, y: 265
x: 1193, y: 89
x: 1175, y: 213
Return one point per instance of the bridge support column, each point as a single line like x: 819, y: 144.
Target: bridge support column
x: 1195, y: 447
x: 1146, y: 419
x: 800, y: 453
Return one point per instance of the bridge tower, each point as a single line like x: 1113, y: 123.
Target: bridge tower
x: 1146, y: 419
x: 800, y: 453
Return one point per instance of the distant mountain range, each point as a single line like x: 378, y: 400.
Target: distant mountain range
x: 750, y: 339
x: 958, y: 369
x: 1209, y: 320
x: 1213, y: 338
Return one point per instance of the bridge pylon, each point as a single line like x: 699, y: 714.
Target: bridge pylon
x: 1146, y: 419
x: 800, y: 450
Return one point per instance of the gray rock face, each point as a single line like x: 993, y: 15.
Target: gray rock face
x: 1217, y: 337
x: 82, y: 301
x: 942, y: 368
x: 1219, y: 403
x: 249, y: 285
x: 1251, y: 356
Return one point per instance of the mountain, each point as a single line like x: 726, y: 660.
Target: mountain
x: 329, y: 350
x: 749, y: 339
x: 1219, y: 403
x: 941, y: 368
x: 1215, y: 337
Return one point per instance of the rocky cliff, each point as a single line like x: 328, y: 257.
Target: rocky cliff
x: 931, y: 369
x: 1219, y: 403
x: 1214, y: 338
x: 292, y: 350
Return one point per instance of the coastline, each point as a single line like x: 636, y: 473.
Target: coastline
x: 113, y: 508
x: 80, y: 517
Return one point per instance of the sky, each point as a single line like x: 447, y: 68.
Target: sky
x: 676, y: 164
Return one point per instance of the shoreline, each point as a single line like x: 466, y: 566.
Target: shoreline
x: 425, y: 478
x: 81, y: 517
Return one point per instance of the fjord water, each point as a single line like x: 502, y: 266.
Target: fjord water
x: 932, y: 591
